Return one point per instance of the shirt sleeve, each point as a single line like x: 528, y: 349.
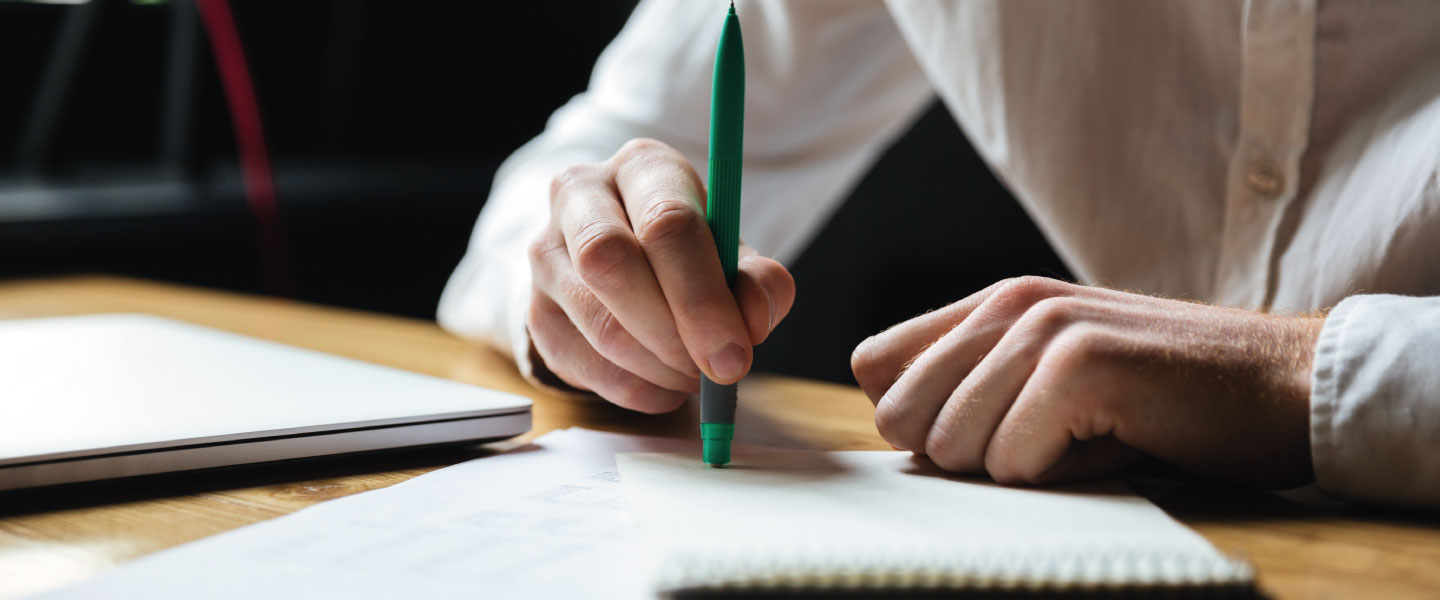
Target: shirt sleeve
x: 829, y: 84
x: 1375, y: 401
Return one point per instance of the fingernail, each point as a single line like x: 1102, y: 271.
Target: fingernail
x: 770, y: 302
x: 728, y: 362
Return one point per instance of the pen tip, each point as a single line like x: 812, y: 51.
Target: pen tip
x: 715, y: 452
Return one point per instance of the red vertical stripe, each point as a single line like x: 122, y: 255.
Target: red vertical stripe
x: 250, y: 138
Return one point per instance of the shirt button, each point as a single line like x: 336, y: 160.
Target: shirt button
x: 1265, y: 178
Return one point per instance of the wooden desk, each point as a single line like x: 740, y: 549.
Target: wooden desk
x: 46, y: 542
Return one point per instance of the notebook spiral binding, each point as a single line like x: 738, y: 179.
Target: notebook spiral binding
x: 911, y: 569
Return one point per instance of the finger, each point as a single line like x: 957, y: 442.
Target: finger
x: 765, y: 291
x: 879, y: 361
x: 1056, y: 431
x: 906, y: 413
x: 663, y: 199
x: 961, y: 432
x: 567, y: 354
x: 557, y: 281
x: 607, y: 259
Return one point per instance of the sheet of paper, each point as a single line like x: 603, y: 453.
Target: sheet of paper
x: 834, y: 515
x: 545, y: 520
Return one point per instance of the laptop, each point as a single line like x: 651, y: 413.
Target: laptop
x: 104, y: 396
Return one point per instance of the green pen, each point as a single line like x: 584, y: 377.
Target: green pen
x: 722, y: 213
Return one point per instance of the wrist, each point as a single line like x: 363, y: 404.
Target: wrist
x: 1302, y: 335
x: 1297, y: 367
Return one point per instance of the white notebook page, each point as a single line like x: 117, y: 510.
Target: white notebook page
x: 886, y: 519
x: 544, y: 521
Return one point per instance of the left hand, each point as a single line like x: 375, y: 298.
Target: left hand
x: 1035, y: 381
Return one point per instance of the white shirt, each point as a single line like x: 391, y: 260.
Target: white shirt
x: 1272, y: 154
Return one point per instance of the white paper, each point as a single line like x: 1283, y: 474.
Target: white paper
x: 545, y: 520
x: 884, y: 518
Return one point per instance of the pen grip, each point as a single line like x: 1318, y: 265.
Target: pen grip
x: 720, y: 400
x: 722, y: 212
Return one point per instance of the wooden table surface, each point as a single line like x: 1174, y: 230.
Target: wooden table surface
x: 49, y: 539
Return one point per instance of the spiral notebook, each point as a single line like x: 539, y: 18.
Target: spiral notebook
x: 886, y: 521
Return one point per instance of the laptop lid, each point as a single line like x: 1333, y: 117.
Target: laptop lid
x: 98, y: 386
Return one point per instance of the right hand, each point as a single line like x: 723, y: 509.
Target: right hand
x: 630, y: 300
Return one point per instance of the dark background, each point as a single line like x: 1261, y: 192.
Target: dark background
x: 385, y: 122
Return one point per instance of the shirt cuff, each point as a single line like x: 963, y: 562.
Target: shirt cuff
x: 1375, y: 401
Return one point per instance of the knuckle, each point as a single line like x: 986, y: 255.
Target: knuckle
x: 570, y: 177
x: 869, y: 365
x: 674, y: 353
x: 774, y: 277
x: 542, y: 259
x: 543, y: 325
x: 1000, y: 468
x: 1034, y: 282
x: 759, y: 269
x: 668, y: 217
x: 863, y: 360
x: 654, y: 403
x: 589, y: 313
x: 1075, y: 348
x: 888, y: 419
x: 599, y: 251
x: 640, y: 149
x: 539, y: 248
x: 1051, y: 315
x: 944, y: 449
x: 610, y: 336
x: 625, y: 388
x: 630, y: 391
x: 1028, y: 290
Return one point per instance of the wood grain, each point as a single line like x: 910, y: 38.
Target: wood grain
x: 50, y: 539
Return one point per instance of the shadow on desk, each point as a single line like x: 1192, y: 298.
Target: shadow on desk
x: 1200, y: 501
x: 327, y: 477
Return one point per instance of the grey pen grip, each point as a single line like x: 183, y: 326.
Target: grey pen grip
x: 718, y: 401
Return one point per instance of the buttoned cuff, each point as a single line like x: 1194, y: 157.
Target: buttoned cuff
x: 1375, y: 401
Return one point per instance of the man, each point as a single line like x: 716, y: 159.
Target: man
x: 1272, y: 158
